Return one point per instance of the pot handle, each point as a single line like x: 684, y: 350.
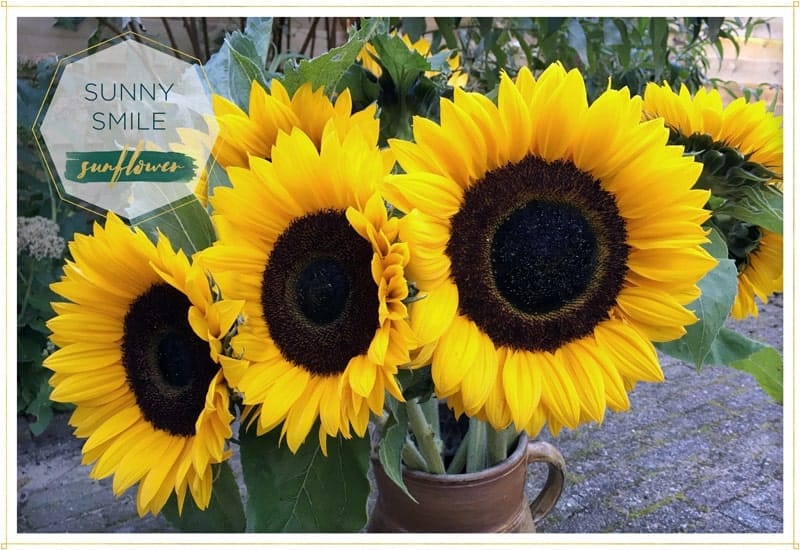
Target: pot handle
x: 541, y: 451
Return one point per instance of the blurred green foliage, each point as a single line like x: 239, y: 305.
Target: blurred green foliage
x: 36, y: 197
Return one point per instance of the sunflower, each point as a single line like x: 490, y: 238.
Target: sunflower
x: 254, y: 133
x: 551, y: 242
x: 757, y: 137
x: 305, y: 240
x: 746, y: 127
x: 760, y: 272
x: 139, y: 357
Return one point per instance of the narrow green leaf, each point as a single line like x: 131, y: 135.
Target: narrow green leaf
x: 749, y: 28
x: 225, y: 513
x: 327, y: 69
x: 390, y: 451
x: 497, y: 48
x: 414, y: 27
x: 447, y: 27
x: 576, y: 38
x: 611, y: 33
x: 714, y: 25
x: 526, y: 47
x: 627, y: 47
x: 95, y: 37
x: 718, y: 291
x: 306, y: 491
x: 658, y: 37
x: 485, y: 25
x: 553, y: 25
x: 187, y: 226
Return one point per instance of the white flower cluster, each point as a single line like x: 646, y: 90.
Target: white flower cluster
x: 39, y: 237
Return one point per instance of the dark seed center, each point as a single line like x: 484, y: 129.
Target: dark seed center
x: 543, y: 256
x: 319, y: 300
x: 743, y: 239
x: 175, y: 359
x: 168, y: 367
x: 322, y: 289
x: 538, y: 252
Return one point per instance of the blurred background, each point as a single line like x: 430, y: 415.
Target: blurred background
x: 755, y: 70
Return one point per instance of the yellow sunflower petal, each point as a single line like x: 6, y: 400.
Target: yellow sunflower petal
x: 522, y: 383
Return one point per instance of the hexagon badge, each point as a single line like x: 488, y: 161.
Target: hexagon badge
x: 128, y: 128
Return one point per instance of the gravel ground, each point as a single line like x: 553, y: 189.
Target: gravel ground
x: 701, y: 453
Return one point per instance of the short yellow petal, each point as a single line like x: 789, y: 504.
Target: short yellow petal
x: 361, y: 372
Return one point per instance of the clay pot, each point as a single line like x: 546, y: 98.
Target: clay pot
x: 489, y: 501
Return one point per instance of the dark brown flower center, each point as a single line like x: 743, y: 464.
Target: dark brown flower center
x: 534, y: 248
x: 538, y: 252
x: 319, y: 300
x: 168, y: 366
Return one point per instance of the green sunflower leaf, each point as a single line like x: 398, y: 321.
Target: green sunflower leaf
x: 225, y: 513
x: 390, y: 451
x: 41, y: 408
x: 364, y: 89
x: 306, y: 491
x: 759, y: 204
x: 327, y: 69
x: 403, y: 64
x: 216, y: 176
x: 188, y: 227
x: 240, y: 61
x: 718, y: 291
x: 259, y: 31
x: 764, y: 363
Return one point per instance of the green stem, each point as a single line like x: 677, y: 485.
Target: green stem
x: 28, y: 287
x: 412, y: 458
x: 430, y: 409
x: 497, y: 445
x: 53, y: 204
x: 459, y: 461
x: 477, y: 458
x: 424, y: 434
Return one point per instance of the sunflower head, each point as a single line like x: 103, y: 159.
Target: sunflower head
x: 742, y: 128
x: 135, y: 360
x: 255, y: 132
x: 307, y: 242
x: 542, y: 273
x: 758, y: 254
x: 741, y: 148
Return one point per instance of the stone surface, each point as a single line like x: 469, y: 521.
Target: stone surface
x: 700, y: 453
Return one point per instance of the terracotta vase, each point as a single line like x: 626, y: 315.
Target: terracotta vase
x: 489, y: 501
